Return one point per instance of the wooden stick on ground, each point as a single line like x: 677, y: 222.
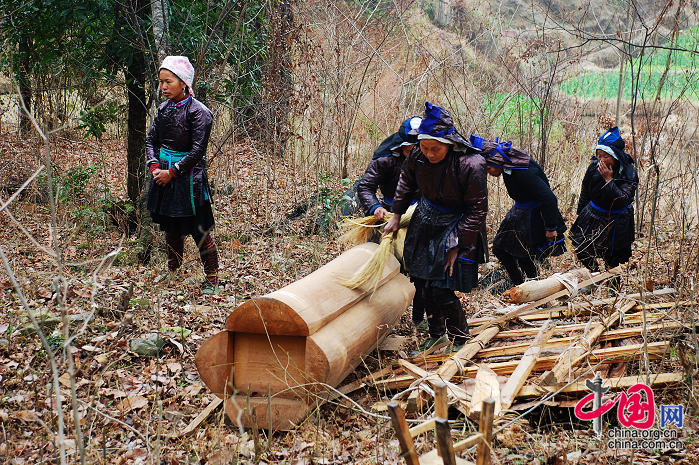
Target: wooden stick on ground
x: 486, y: 429
x: 525, y: 366
x: 530, y: 291
x: 444, y: 446
x: 407, y: 448
x: 623, y: 382
x: 200, y: 418
x: 533, y: 305
x: 559, y: 373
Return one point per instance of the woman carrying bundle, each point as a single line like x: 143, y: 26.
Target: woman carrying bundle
x: 384, y: 169
x: 533, y: 228
x: 605, y: 224
x: 446, y: 236
x: 179, y: 195
x: 383, y: 173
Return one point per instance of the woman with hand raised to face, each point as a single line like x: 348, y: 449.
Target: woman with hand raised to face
x: 446, y: 235
x: 605, y: 224
x: 179, y: 197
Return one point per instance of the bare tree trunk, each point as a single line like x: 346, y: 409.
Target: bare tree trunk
x: 136, y: 126
x: 25, y: 89
x: 160, y: 27
x: 620, y: 91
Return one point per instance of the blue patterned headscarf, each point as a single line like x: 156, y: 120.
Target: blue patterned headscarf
x: 438, y: 125
x: 612, y: 143
x: 501, y: 154
x: 406, y: 135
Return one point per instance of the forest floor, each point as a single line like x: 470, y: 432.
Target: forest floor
x: 131, y: 407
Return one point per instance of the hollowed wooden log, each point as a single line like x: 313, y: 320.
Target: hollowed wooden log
x: 294, y: 341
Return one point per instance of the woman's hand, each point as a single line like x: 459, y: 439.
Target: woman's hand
x: 452, y: 255
x: 605, y: 170
x: 162, y: 177
x: 392, y: 226
x: 380, y: 213
x: 551, y: 235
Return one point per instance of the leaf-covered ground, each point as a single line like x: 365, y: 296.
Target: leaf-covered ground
x: 132, y: 408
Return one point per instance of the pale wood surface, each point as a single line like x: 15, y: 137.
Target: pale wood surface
x: 214, y: 362
x: 487, y: 386
x: 615, y: 334
x: 306, y: 305
x: 623, y: 382
x: 336, y: 349
x: 466, y: 353
x: 531, y: 307
x: 530, y: 291
x: 525, y: 366
x: 561, y: 371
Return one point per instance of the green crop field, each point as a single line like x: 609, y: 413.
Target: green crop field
x: 681, y: 77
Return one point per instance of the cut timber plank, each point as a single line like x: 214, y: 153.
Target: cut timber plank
x: 614, y: 383
x: 467, y: 352
x: 530, y: 291
x: 615, y: 334
x: 487, y: 387
x: 560, y: 372
x: 530, y: 307
x: 583, y: 308
x: 612, y: 354
x: 203, y: 415
x: 432, y: 378
x: 525, y: 366
x: 563, y: 329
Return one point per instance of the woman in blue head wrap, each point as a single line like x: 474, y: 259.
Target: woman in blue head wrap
x: 533, y: 228
x: 605, y: 224
x: 446, y: 235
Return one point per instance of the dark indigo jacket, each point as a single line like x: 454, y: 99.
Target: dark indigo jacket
x: 184, y: 129
x: 458, y: 182
x: 613, y: 195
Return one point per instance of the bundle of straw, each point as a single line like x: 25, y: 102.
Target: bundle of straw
x: 369, y: 275
x: 357, y: 231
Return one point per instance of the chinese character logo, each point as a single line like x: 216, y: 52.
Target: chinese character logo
x: 671, y: 415
x: 632, y: 409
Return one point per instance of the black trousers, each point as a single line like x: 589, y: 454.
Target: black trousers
x: 444, y: 312
x: 516, y: 265
x: 207, y: 252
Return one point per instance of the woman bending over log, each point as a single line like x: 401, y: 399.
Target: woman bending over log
x: 446, y: 236
x: 179, y: 197
x: 383, y: 173
x: 605, y: 224
x: 533, y: 228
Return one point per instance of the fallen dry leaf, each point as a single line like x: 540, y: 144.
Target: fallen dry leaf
x: 131, y: 403
x: 26, y: 415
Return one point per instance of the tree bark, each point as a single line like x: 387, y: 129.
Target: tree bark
x: 160, y: 27
x: 136, y: 126
x: 23, y: 75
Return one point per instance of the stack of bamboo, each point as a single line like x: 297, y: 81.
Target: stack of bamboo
x: 552, y: 350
